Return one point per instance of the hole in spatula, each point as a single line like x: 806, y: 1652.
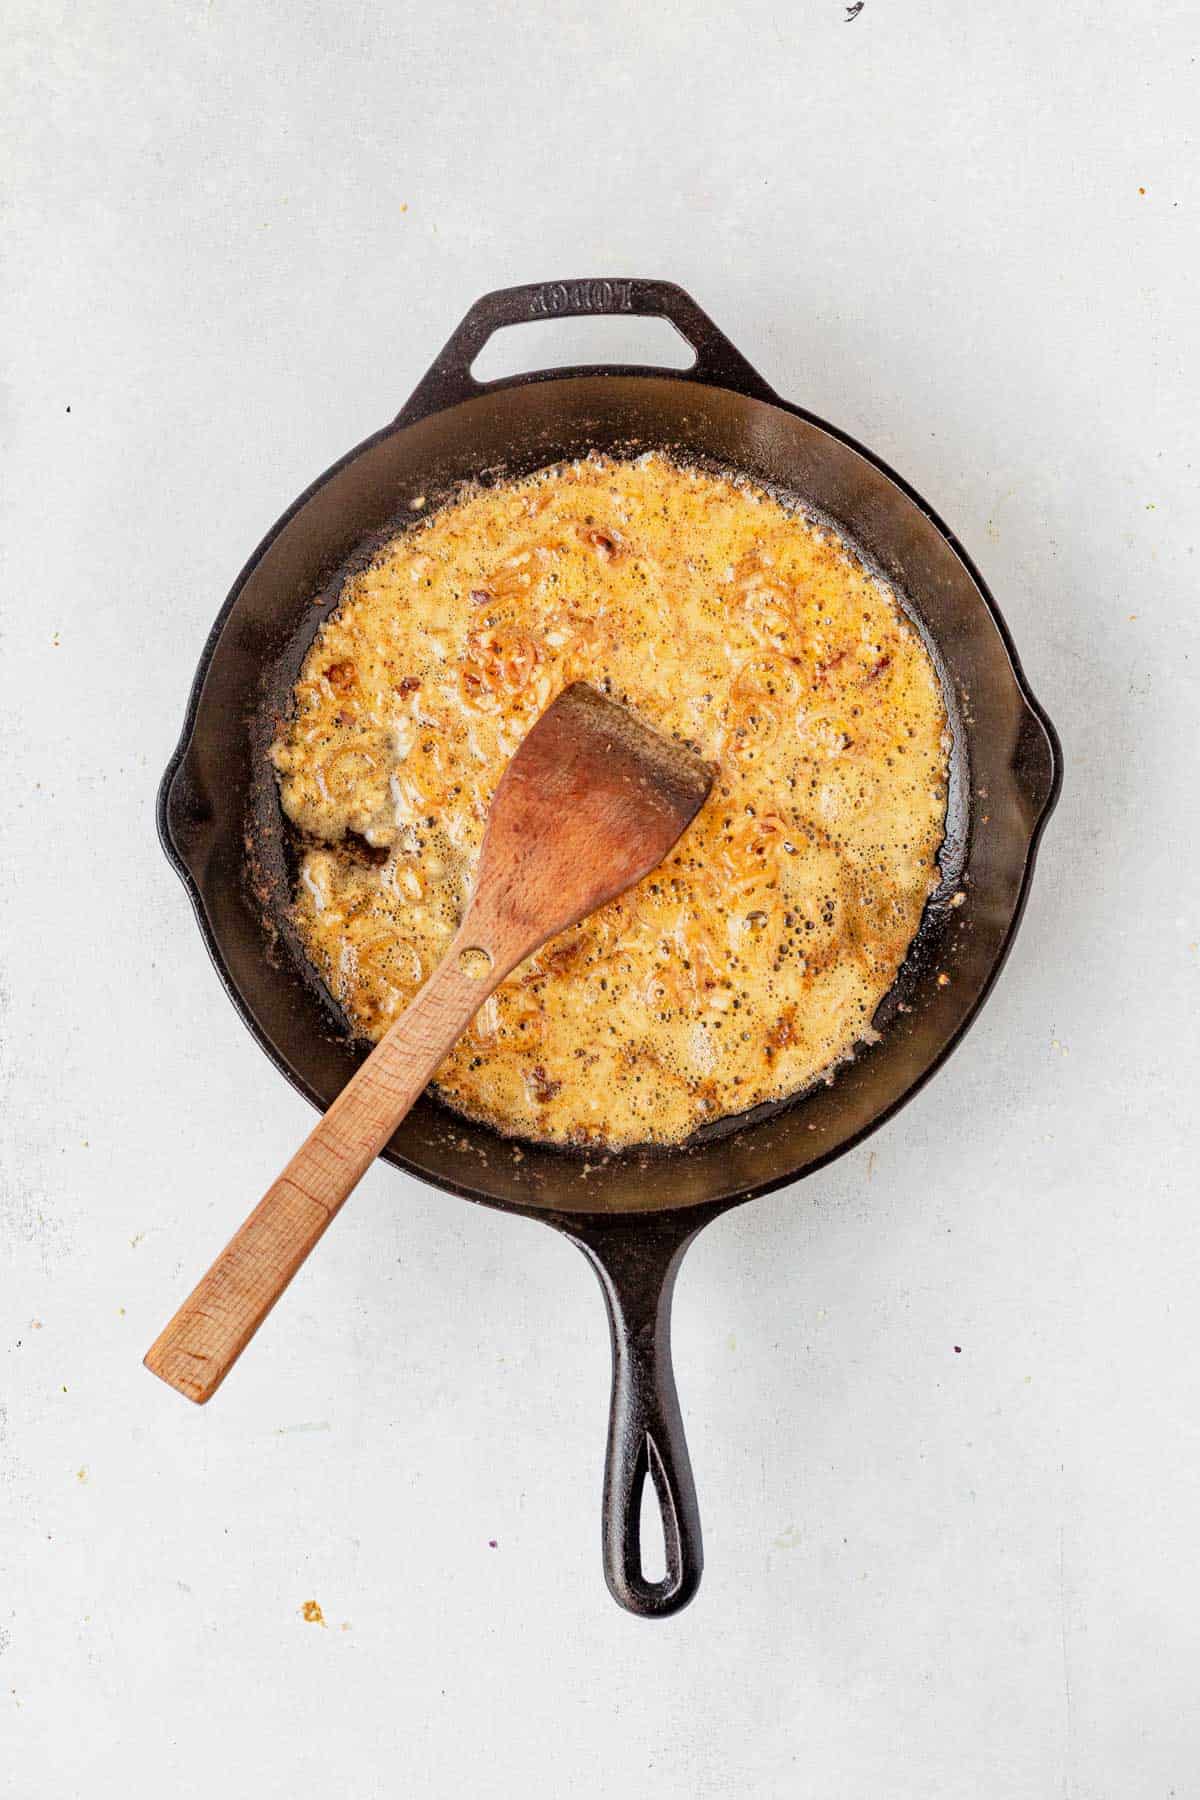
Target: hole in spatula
x: 474, y: 963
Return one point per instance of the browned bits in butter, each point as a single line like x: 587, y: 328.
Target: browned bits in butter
x: 607, y: 547
x: 541, y: 1087
x: 753, y: 960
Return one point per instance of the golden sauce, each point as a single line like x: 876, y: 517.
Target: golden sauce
x: 753, y: 960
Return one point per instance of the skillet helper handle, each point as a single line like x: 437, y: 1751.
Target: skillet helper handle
x: 646, y: 1440
x: 449, y: 380
x: 215, y: 1323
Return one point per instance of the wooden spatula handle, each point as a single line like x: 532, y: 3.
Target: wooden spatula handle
x: 592, y: 801
x: 215, y: 1323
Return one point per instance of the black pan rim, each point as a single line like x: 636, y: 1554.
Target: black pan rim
x: 717, y: 1203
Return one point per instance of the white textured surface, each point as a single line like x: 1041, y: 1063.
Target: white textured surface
x: 929, y: 1575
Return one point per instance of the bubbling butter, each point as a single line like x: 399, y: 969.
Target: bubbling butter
x: 753, y: 960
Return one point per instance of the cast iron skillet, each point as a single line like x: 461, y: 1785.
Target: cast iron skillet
x: 632, y: 1214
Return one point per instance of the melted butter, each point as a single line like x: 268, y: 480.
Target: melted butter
x: 753, y: 960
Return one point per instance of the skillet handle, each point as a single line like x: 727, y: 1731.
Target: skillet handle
x: 636, y: 1263
x: 449, y: 380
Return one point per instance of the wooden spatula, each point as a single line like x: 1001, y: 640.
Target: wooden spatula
x: 591, y: 802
